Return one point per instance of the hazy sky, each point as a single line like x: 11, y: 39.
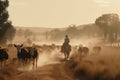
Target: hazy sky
x: 59, y: 13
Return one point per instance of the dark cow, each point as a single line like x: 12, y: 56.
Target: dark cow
x: 83, y: 51
x: 3, y: 56
x: 97, y: 49
x: 26, y: 54
x: 21, y: 53
x: 33, y: 55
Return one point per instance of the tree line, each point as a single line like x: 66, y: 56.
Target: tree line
x: 107, y: 25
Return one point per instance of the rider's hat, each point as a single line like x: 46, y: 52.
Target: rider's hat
x: 66, y: 35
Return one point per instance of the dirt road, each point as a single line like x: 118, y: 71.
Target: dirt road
x: 48, y: 72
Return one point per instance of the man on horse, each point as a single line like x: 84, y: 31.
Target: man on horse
x: 66, y: 41
x: 66, y: 48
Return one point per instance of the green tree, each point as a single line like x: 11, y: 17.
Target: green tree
x: 109, y: 24
x: 7, y: 30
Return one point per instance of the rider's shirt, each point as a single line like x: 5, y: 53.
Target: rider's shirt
x: 67, y: 40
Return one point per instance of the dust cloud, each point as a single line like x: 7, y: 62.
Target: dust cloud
x: 104, y: 66
x: 52, y: 66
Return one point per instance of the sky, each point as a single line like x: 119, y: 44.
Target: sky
x: 59, y: 13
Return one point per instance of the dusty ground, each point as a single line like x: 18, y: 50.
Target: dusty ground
x: 49, y: 69
x: 49, y: 72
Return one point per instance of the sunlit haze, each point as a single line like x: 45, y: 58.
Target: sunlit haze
x: 59, y: 13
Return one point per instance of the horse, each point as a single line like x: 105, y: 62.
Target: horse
x: 66, y: 50
x: 3, y: 56
x: 83, y: 51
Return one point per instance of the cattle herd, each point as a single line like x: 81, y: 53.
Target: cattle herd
x: 30, y: 54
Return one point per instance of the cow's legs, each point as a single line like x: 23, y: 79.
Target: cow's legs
x: 19, y: 61
x: 33, y: 63
x: 5, y: 62
x: 65, y: 56
x: 1, y: 64
x: 80, y: 56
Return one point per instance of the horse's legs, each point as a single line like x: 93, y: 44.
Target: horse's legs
x: 36, y: 62
x: 67, y: 56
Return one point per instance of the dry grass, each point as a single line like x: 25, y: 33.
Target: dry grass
x: 104, y: 66
x: 8, y: 72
